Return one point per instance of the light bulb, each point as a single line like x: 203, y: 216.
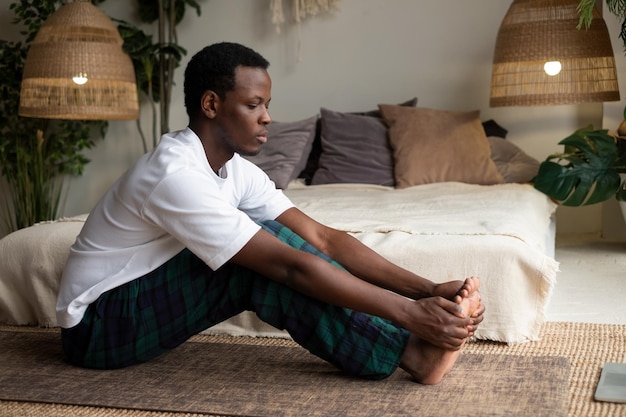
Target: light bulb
x: 552, y: 67
x: 80, y: 79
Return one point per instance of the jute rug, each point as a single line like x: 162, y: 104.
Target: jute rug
x: 221, y: 375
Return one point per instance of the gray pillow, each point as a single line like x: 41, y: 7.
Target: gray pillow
x: 355, y: 149
x: 316, y: 150
x: 285, y: 154
x: 512, y: 163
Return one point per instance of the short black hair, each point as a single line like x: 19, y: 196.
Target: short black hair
x: 213, y: 68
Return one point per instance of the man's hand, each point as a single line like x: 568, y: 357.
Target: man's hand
x: 448, y: 290
x: 439, y: 321
x: 451, y: 289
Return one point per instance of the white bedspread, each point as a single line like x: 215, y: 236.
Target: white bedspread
x: 450, y: 231
x: 440, y: 231
x: 31, y: 262
x: 451, y: 208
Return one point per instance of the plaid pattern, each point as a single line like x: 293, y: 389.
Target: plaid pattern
x: 155, y: 313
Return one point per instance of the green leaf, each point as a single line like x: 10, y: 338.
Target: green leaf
x: 585, y: 173
x: 585, y: 12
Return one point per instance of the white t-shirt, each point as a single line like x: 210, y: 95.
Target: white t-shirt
x: 169, y: 200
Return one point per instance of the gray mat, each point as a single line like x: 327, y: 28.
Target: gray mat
x: 261, y: 380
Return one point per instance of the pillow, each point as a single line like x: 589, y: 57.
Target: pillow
x: 316, y: 150
x: 355, y: 149
x: 512, y: 163
x: 436, y: 146
x: 285, y: 154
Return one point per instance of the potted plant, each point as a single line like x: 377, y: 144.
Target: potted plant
x: 35, y: 154
x: 587, y: 171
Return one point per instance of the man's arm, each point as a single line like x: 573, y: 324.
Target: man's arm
x: 362, y: 261
x: 434, y: 319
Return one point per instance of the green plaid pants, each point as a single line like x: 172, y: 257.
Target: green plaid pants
x: 150, y: 315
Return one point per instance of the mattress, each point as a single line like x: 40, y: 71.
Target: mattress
x: 502, y: 233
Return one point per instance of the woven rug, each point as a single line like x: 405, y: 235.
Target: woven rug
x: 268, y: 380
x: 227, y: 376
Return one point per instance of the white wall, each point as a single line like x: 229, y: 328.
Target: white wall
x: 613, y: 225
x: 369, y: 52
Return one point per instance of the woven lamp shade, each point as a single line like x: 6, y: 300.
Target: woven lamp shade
x: 78, y: 40
x: 534, y: 32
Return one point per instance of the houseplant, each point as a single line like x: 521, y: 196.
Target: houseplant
x: 155, y: 62
x: 587, y: 171
x: 35, y: 154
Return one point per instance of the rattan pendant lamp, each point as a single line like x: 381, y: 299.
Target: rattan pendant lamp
x: 76, y: 69
x: 536, y: 35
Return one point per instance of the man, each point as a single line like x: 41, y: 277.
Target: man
x: 193, y: 234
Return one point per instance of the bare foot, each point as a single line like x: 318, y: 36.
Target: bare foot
x: 428, y: 364
x: 469, y: 297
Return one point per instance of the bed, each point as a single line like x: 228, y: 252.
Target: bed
x: 438, y: 192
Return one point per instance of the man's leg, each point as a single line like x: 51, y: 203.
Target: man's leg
x: 358, y: 343
x: 153, y: 314
x: 148, y: 316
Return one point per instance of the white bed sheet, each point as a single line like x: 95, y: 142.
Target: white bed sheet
x: 453, y: 230
x: 440, y: 231
x: 503, y: 233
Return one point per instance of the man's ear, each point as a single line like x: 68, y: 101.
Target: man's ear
x: 209, y: 104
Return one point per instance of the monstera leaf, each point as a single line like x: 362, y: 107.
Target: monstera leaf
x: 585, y: 173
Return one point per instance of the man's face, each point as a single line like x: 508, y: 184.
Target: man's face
x: 243, y: 115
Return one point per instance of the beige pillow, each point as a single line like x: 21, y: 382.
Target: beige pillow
x: 438, y: 146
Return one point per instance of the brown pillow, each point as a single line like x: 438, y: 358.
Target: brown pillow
x: 437, y: 146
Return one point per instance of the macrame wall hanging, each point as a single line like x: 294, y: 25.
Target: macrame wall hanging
x: 301, y: 9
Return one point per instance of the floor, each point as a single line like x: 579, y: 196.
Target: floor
x: 591, y: 286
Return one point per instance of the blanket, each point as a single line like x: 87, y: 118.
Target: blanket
x: 440, y: 231
x: 451, y: 208
x: 30, y: 270
x: 452, y: 230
